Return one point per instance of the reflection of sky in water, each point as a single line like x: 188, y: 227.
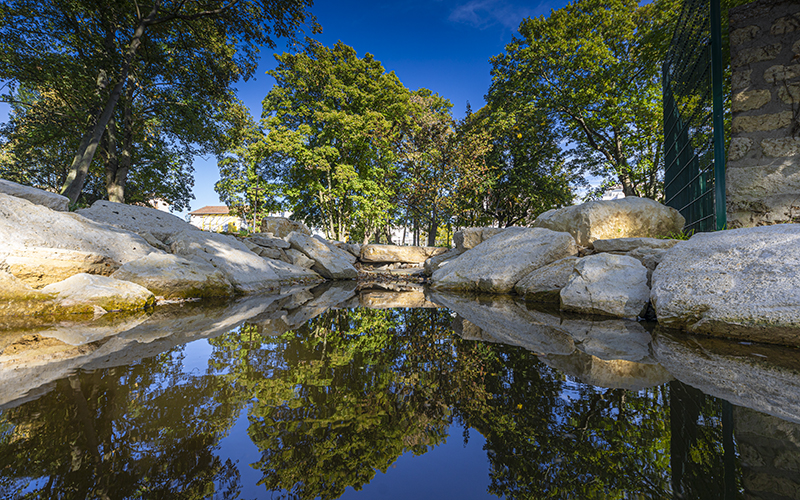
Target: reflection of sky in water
x: 260, y: 401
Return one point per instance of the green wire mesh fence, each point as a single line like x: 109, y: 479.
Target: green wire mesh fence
x: 694, y: 149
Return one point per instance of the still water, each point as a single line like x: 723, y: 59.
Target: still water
x: 312, y: 395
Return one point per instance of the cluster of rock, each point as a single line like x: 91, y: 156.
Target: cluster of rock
x: 118, y: 257
x: 114, y: 256
x: 614, y: 258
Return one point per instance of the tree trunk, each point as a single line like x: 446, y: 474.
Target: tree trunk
x: 83, y: 158
x: 433, y: 229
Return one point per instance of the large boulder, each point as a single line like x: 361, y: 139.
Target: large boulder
x: 470, y: 237
x: 137, y: 219
x: 109, y: 293
x: 437, y: 261
x: 740, y: 283
x: 628, y: 217
x: 545, y: 284
x: 246, y: 271
x: 265, y: 240
x: 329, y: 261
x: 19, y: 299
x: 397, y: 253
x: 498, y: 263
x: 298, y: 258
x: 47, y: 199
x: 281, y: 226
x: 173, y: 277
x: 43, y: 246
x: 608, y: 284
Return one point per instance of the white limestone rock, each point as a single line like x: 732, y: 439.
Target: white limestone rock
x: 437, y: 261
x: 102, y: 291
x: 246, y: 271
x: 397, y: 253
x: 137, y: 219
x: 173, y: 277
x: 607, y: 284
x: 264, y: 240
x: 47, y: 199
x: 498, y: 263
x: 338, y: 250
x: 280, y: 227
x: 545, y: 284
x: 740, y: 283
x: 329, y: 261
x: 627, y: 217
x: 298, y: 258
x: 470, y: 237
x: 353, y: 248
x: 624, y: 245
x: 43, y: 246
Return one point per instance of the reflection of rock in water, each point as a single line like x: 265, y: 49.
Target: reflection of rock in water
x: 30, y: 361
x: 506, y: 321
x: 769, y: 451
x: 610, y: 339
x: 761, y: 377
x: 613, y: 374
x: 383, y: 299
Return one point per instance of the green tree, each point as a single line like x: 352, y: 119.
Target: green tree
x: 594, y: 67
x: 180, y: 58
x: 248, y: 182
x: 524, y: 173
x: 329, y: 123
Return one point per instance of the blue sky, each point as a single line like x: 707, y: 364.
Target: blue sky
x: 442, y: 45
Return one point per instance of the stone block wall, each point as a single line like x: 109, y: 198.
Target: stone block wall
x: 763, y: 169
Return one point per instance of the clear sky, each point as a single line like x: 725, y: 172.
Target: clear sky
x: 442, y: 45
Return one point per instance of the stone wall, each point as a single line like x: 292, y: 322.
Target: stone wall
x: 763, y: 171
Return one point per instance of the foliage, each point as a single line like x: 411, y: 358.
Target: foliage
x: 524, y: 173
x: 329, y: 124
x: 594, y: 68
x: 248, y: 184
x: 144, y: 85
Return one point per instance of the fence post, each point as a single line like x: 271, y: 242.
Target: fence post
x: 719, y: 119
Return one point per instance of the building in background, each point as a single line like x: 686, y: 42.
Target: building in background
x: 613, y: 193
x: 215, y: 218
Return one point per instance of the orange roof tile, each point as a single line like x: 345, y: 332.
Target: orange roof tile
x: 209, y: 210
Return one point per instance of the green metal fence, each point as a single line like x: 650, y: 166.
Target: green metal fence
x: 694, y: 141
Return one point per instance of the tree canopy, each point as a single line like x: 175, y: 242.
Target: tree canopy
x: 146, y: 84
x: 594, y: 68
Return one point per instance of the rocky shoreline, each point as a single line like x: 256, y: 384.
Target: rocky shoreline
x: 608, y: 258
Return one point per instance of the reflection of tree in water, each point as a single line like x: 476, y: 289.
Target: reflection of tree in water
x: 121, y: 433
x: 345, y: 395
x: 549, y: 437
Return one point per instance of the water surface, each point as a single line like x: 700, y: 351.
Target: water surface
x: 309, y: 395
